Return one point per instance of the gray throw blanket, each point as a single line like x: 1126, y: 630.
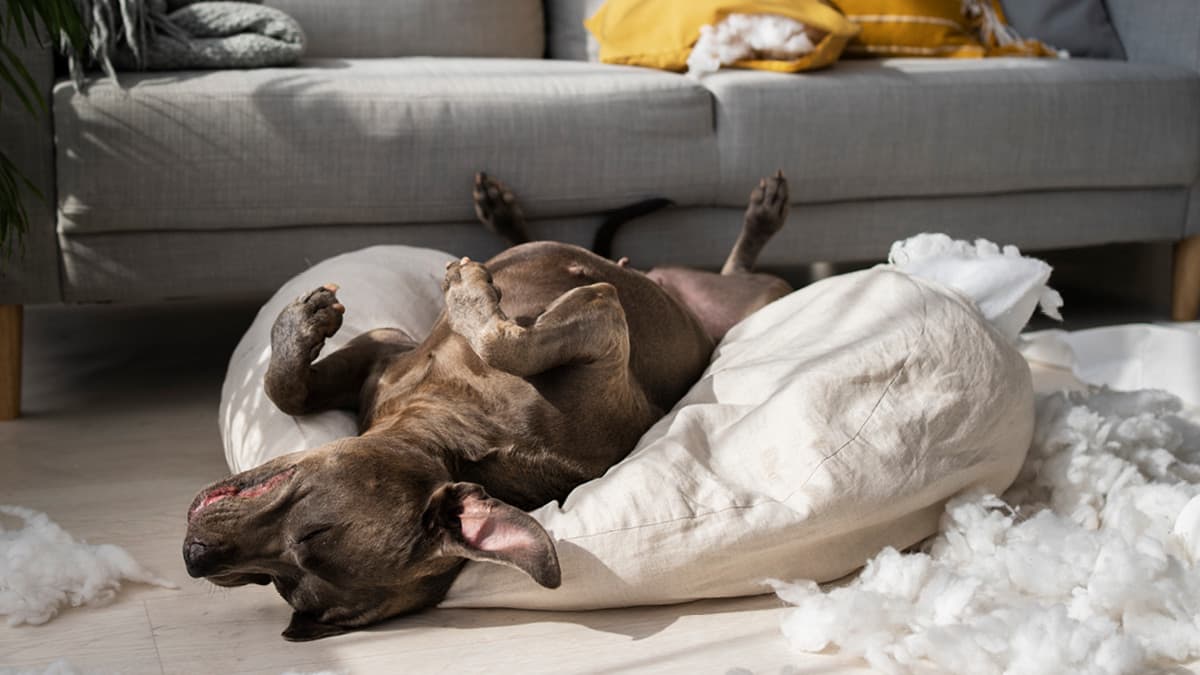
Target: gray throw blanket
x: 186, y: 34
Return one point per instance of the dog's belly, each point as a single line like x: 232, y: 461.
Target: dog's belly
x: 669, y: 347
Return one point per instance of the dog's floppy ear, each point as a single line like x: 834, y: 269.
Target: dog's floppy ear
x: 473, y: 525
x: 303, y: 628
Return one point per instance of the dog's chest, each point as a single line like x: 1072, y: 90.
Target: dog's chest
x: 449, y: 385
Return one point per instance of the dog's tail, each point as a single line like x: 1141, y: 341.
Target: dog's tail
x: 602, y: 244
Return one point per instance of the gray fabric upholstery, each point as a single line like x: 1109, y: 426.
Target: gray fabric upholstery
x: 566, y: 38
x: 1166, y: 32
x: 382, y: 28
x: 863, y: 230
x: 1162, y: 31
x: 168, y: 265
x: 375, y: 141
x: 1081, y: 27
x: 31, y: 276
x: 164, y: 265
x: 912, y: 127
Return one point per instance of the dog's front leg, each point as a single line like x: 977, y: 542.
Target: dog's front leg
x: 297, y: 385
x: 585, y: 325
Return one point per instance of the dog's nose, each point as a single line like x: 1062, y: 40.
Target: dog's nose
x: 197, y: 557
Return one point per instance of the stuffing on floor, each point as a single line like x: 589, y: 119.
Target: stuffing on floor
x: 43, y: 568
x: 1087, y: 565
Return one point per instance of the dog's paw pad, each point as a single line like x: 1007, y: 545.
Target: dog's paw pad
x: 769, y: 203
x: 495, y: 204
x: 321, y: 311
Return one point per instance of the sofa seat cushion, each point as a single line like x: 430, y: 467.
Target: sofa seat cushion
x: 375, y: 141
x: 931, y: 127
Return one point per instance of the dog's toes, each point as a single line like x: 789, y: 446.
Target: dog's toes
x: 768, y: 206
x: 316, y: 316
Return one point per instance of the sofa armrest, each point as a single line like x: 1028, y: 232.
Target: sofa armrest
x: 1159, y: 31
x: 31, y: 274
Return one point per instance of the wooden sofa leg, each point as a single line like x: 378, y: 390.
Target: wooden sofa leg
x: 10, y: 361
x: 1185, y: 291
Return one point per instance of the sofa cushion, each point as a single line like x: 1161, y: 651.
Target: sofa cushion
x: 923, y: 127
x: 379, y: 28
x: 566, y: 38
x: 375, y: 141
x: 1081, y: 27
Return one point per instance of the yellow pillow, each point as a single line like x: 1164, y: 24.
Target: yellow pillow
x: 952, y: 28
x: 661, y: 33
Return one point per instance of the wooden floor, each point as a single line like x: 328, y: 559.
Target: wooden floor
x: 119, y: 432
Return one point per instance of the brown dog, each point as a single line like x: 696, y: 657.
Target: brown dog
x: 543, y: 371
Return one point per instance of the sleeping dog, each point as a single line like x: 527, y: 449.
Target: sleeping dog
x: 546, y: 366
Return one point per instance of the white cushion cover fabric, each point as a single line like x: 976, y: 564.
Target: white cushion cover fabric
x: 831, y: 424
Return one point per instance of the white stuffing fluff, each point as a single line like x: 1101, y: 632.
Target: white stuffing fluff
x: 43, y: 568
x: 1005, y: 285
x: 748, y: 36
x: 1088, y: 564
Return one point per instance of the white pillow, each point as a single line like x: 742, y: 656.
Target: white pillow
x: 831, y: 424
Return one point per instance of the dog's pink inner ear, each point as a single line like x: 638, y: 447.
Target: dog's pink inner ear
x: 486, y: 530
x: 479, y: 527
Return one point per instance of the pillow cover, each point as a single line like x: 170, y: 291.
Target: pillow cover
x: 1082, y: 27
x: 947, y: 28
x: 831, y: 424
x: 661, y: 33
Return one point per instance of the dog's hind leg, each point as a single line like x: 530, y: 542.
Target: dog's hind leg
x: 297, y: 385
x: 496, y: 207
x: 765, y: 215
x: 585, y: 325
x: 722, y: 300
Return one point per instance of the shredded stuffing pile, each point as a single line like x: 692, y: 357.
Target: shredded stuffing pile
x: 1088, y: 564
x: 43, y: 568
x: 748, y: 36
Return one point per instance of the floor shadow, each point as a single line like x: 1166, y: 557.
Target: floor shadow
x: 647, y: 622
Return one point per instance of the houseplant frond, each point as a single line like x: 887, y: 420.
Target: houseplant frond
x: 25, y: 23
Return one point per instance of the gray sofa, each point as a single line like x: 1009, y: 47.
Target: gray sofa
x: 190, y: 184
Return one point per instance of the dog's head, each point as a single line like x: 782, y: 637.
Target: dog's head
x: 355, y: 532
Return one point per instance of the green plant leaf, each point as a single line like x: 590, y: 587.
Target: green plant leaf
x: 12, y: 21
x: 21, y: 81
x: 22, y: 22
x: 14, y: 220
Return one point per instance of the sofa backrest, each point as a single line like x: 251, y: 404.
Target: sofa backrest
x: 566, y: 38
x: 384, y: 28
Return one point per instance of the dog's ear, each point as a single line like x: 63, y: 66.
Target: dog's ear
x: 472, y: 525
x: 303, y: 628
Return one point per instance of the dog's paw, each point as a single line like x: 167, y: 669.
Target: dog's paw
x: 495, y: 205
x: 472, y: 301
x: 768, y: 204
x: 310, y: 320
